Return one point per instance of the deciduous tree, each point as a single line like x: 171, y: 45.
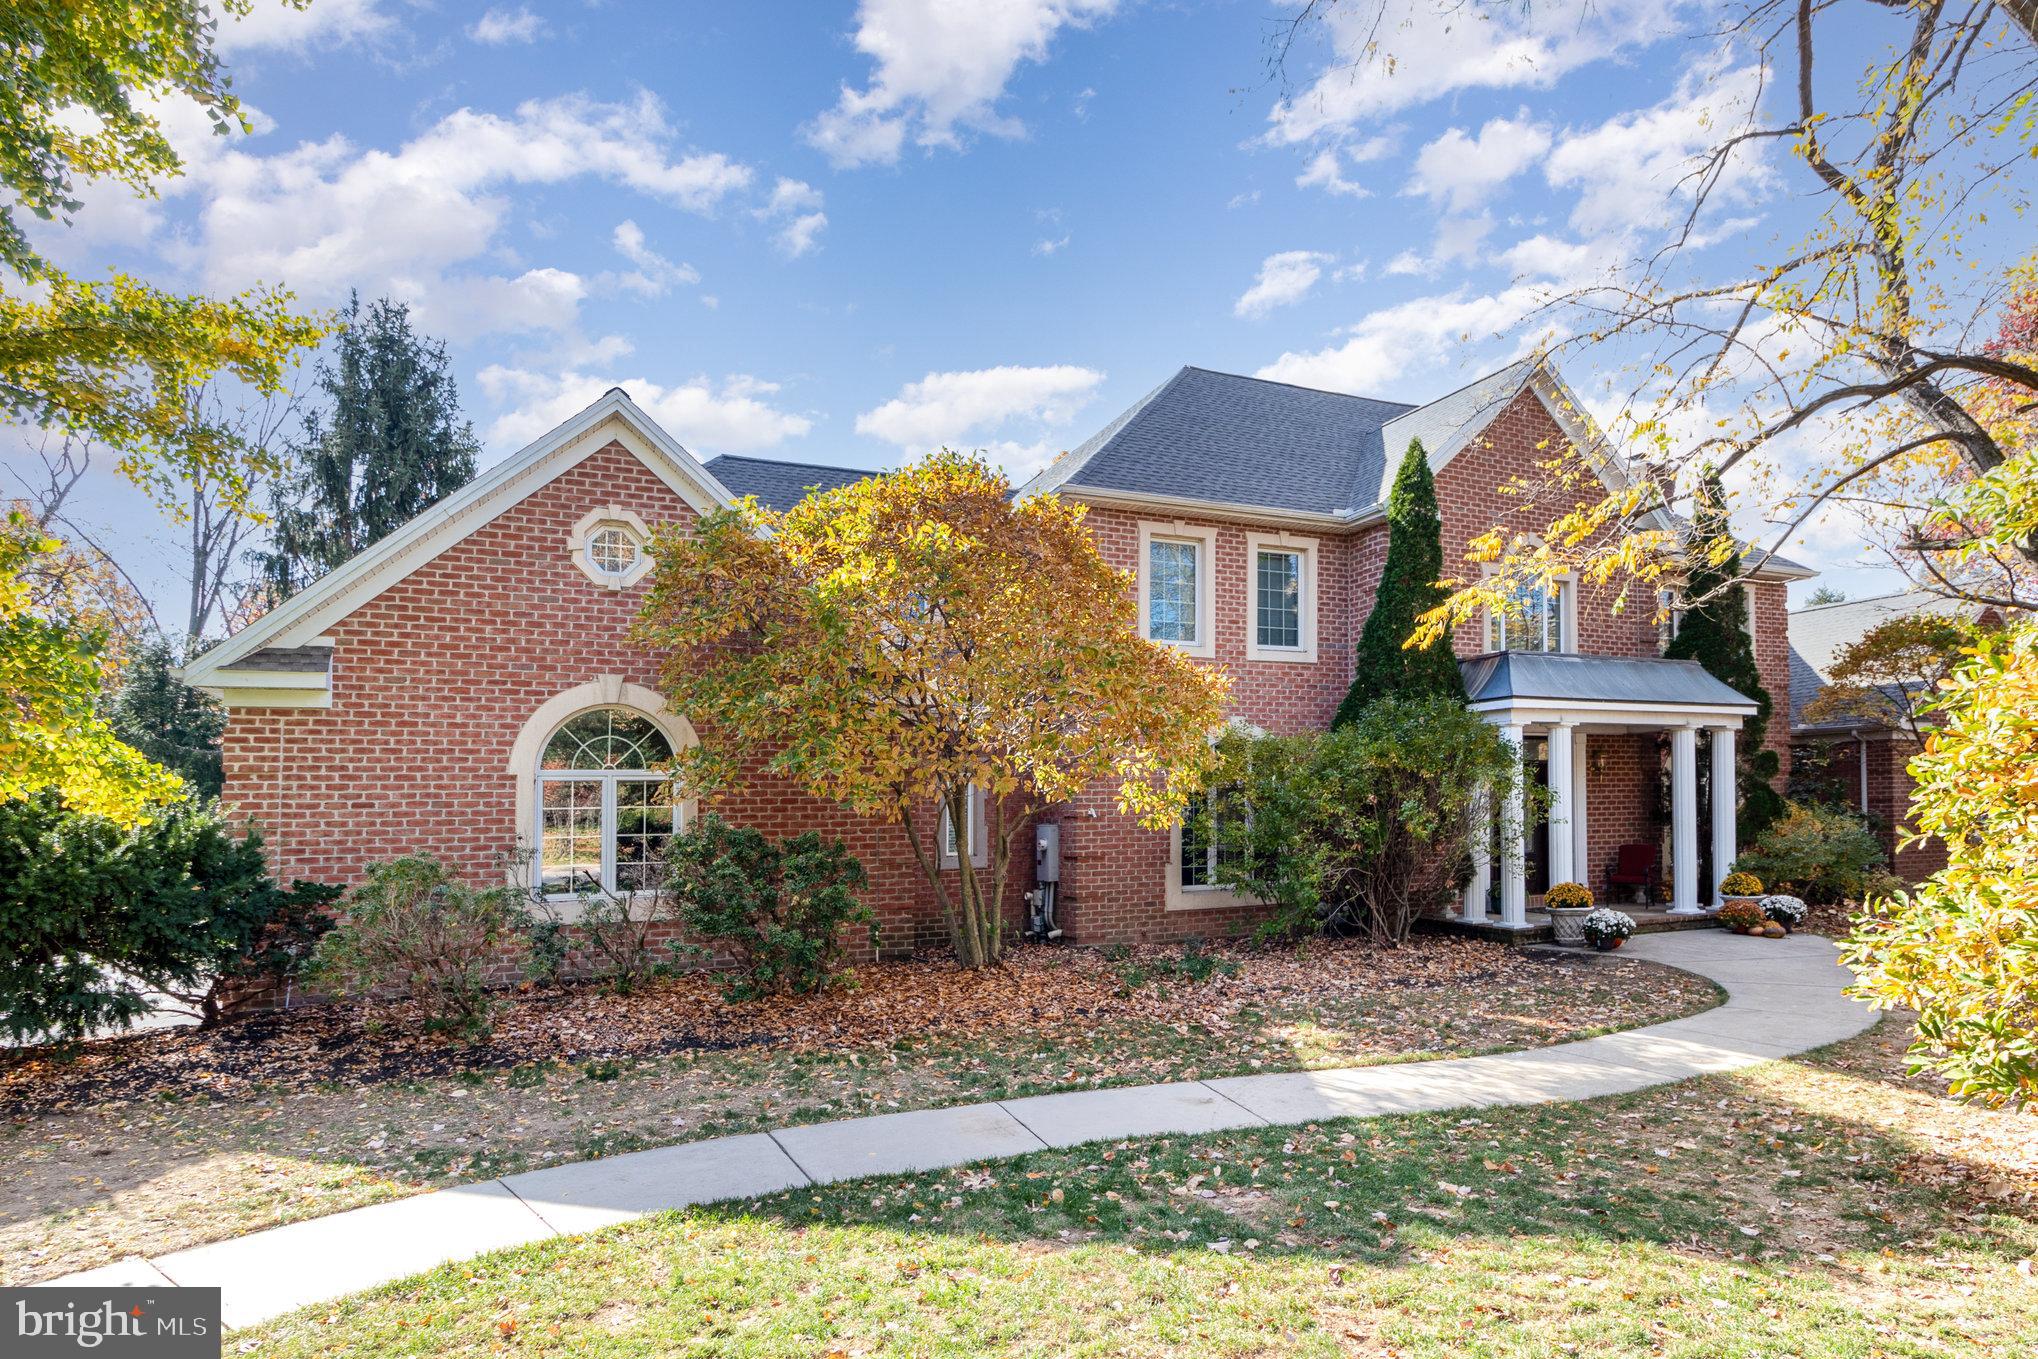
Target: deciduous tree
x: 892, y: 644
x: 1891, y: 674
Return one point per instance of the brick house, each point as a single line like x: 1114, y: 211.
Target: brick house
x: 1861, y: 763
x: 464, y: 687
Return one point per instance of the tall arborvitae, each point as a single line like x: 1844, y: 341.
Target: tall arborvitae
x: 1714, y: 632
x: 1408, y: 589
x: 387, y: 441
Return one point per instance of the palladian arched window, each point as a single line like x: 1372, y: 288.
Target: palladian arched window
x: 606, y: 806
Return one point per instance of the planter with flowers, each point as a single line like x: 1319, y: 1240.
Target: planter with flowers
x: 1568, y: 904
x: 1740, y: 885
x: 1787, y: 911
x: 1745, y: 916
x: 1606, y: 930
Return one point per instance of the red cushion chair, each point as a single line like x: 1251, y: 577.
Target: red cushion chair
x: 1634, y: 866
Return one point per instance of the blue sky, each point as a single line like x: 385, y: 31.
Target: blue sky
x: 845, y: 233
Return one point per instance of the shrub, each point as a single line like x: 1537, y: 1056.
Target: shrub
x: 413, y: 927
x: 1567, y: 896
x: 1364, y: 827
x: 1194, y: 965
x: 1786, y: 911
x: 1606, y: 927
x: 94, y: 916
x: 781, y: 906
x: 1741, y: 883
x: 1743, y: 915
x: 1962, y: 949
x: 1819, y: 853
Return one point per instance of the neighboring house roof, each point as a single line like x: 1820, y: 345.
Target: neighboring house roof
x: 1563, y: 677
x: 780, y: 485
x: 1820, y: 632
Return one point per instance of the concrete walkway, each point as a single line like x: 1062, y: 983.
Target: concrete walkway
x: 1784, y: 998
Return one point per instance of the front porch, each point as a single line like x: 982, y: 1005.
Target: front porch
x: 1591, y: 729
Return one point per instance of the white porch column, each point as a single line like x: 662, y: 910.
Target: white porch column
x: 1581, y: 797
x: 1684, y: 821
x: 1725, y: 797
x: 1513, y: 847
x: 1482, y: 859
x: 1562, y: 797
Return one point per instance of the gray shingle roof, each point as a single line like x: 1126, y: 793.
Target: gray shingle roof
x: 1594, y: 679
x: 300, y: 660
x: 779, y: 485
x: 1439, y: 423
x: 1238, y: 440
x: 1819, y: 634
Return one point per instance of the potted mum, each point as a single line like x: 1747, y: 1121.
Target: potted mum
x: 1740, y: 885
x: 1568, y: 904
x: 1743, y: 916
x: 1787, y: 911
x: 1606, y: 929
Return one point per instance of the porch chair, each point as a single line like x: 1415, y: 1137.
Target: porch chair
x: 1634, y: 866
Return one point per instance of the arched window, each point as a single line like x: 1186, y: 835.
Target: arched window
x: 606, y: 805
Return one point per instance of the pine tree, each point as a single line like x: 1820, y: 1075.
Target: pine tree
x: 1714, y: 632
x: 1408, y: 589
x: 387, y: 442
x: 167, y: 720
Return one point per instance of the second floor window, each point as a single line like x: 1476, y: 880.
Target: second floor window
x: 1277, y: 579
x: 1172, y: 568
x: 1534, y: 623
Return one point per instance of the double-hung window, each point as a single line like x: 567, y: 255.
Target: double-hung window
x: 1209, y: 837
x: 1280, y: 590
x: 1175, y: 564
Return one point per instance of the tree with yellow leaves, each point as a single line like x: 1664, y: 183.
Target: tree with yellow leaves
x: 893, y: 644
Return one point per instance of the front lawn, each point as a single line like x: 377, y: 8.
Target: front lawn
x: 1825, y: 1207
x: 163, y: 1140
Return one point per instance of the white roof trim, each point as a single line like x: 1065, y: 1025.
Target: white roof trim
x: 307, y: 615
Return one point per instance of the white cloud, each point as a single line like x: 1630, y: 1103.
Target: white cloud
x: 941, y: 69
x: 1628, y: 171
x: 498, y: 27
x: 1567, y: 262
x: 1461, y: 172
x: 329, y: 215
x: 797, y: 205
x: 1284, y: 279
x: 654, y: 274
x: 1414, y: 334
x: 280, y: 27
x: 1324, y: 172
x: 536, y: 300
x: 1052, y: 245
x: 730, y: 417
x: 1400, y: 53
x: 951, y: 408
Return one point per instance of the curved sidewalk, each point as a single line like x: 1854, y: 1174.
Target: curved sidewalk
x: 1784, y: 997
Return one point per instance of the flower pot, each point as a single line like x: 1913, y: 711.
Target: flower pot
x: 1567, y: 922
x: 1607, y: 945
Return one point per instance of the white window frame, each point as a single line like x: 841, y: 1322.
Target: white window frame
x: 608, y: 779
x: 580, y: 543
x: 1305, y: 550
x: 1207, y: 897
x: 1205, y: 540
x: 979, y: 834
x: 1566, y: 585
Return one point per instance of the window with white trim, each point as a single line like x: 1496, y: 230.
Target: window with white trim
x: 612, y: 550
x: 975, y: 834
x: 1537, y: 618
x: 1204, y: 836
x: 1280, y: 588
x: 606, y: 808
x: 1175, y: 586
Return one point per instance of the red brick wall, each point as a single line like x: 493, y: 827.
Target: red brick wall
x: 1769, y: 622
x: 434, y: 678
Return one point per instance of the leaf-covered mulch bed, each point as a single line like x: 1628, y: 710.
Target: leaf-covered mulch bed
x: 1038, y: 989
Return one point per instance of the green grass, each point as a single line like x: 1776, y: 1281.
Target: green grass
x: 1825, y: 1208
